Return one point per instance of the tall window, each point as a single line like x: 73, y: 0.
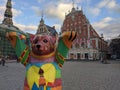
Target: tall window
x: 41, y: 30
x: 79, y: 29
x: 78, y: 56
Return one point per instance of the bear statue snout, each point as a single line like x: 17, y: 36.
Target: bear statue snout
x: 38, y: 46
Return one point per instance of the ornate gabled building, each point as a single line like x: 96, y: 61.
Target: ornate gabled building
x: 6, y: 26
x: 88, y: 44
x: 44, y: 29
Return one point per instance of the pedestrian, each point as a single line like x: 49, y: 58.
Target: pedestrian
x: 3, y: 61
x: 0, y: 61
x: 102, y: 60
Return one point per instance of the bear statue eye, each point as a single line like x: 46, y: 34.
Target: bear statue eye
x: 45, y: 40
x: 35, y: 41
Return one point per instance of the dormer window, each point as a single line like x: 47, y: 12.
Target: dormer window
x: 41, y: 30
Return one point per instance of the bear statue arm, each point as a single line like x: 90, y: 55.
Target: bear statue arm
x: 64, y: 44
x: 21, y: 49
x: 68, y: 37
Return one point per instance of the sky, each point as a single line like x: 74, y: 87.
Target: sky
x: 103, y: 15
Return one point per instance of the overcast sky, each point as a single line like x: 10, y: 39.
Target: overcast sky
x: 104, y: 15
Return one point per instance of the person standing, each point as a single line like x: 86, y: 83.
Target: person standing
x: 3, y: 61
x: 0, y: 60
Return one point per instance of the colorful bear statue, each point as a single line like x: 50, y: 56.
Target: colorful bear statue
x: 43, y: 59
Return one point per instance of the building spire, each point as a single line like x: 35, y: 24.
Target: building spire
x: 42, y: 20
x: 73, y: 3
x: 73, y: 9
x: 42, y: 14
x: 8, y: 14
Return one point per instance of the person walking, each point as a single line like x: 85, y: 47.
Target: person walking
x: 0, y: 60
x: 3, y: 61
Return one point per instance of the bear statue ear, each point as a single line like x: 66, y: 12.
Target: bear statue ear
x: 32, y: 36
x: 53, y: 39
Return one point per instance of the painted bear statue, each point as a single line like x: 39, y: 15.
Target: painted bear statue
x: 43, y: 59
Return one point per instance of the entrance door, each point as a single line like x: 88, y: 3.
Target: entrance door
x: 78, y: 56
x: 86, y: 55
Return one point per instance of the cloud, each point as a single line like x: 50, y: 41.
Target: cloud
x: 111, y: 5
x: 103, y: 3
x: 91, y: 9
x: 59, y: 11
x: 40, y: 1
x: 33, y: 28
x: 94, y: 11
x: 114, y: 6
x: 37, y: 10
x: 26, y: 28
x: 103, y: 23
x: 16, y: 12
x: 110, y: 27
x: 107, y: 3
x: 2, y: 10
x: 54, y: 11
x: 57, y: 27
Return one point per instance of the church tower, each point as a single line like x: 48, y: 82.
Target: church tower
x: 8, y: 14
x: 7, y: 25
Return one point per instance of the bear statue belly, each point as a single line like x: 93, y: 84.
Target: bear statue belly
x: 43, y: 74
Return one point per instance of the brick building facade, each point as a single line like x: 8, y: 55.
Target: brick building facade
x: 88, y: 44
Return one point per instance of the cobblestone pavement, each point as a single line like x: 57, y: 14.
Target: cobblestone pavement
x: 75, y: 75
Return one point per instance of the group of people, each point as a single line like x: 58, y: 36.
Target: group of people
x: 2, y: 61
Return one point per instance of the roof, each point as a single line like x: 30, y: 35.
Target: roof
x: 11, y: 28
x: 51, y: 30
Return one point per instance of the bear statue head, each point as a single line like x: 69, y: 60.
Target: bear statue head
x: 43, y: 44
